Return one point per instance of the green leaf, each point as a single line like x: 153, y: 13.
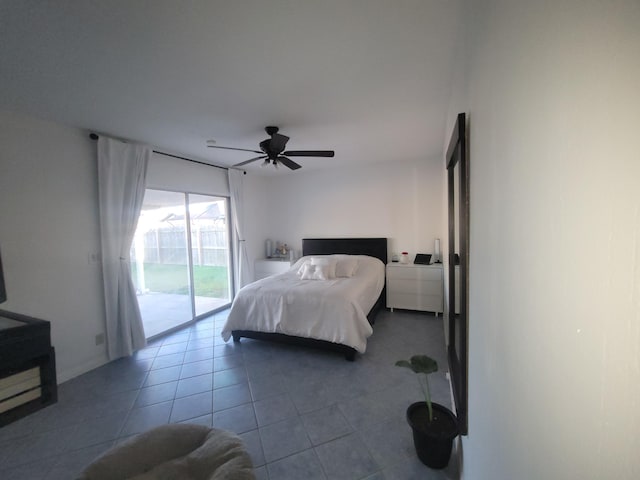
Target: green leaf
x: 423, y: 364
x: 403, y: 363
x: 419, y: 364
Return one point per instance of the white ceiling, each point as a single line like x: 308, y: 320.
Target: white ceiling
x: 367, y: 78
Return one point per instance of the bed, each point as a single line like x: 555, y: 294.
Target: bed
x: 335, y: 314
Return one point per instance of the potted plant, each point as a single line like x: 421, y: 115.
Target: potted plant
x: 434, y: 426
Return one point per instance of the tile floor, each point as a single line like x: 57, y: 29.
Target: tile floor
x: 302, y: 413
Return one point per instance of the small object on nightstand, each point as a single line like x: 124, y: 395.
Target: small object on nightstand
x: 436, y: 251
x: 404, y: 258
x: 394, y: 257
x: 422, y: 259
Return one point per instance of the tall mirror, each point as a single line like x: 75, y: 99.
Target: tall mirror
x: 458, y: 194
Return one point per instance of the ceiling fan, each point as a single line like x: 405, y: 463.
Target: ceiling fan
x: 272, y: 151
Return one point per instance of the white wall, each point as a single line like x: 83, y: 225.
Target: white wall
x: 258, y: 214
x: 398, y: 200
x: 174, y: 174
x: 553, y: 100
x: 48, y: 227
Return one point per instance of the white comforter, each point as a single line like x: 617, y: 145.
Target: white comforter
x: 334, y: 310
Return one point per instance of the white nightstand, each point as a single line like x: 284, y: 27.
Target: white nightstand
x: 415, y: 287
x: 267, y: 266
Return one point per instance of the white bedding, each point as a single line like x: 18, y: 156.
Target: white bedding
x: 334, y: 310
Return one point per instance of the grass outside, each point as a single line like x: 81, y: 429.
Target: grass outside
x: 208, y: 281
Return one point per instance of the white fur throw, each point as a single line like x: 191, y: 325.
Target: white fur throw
x: 175, y: 452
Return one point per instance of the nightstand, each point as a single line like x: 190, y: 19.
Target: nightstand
x: 266, y: 267
x: 415, y: 287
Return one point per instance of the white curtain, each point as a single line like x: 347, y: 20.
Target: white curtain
x: 243, y: 271
x: 122, y: 169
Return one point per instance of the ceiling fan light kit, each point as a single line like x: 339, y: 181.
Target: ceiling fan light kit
x: 272, y: 151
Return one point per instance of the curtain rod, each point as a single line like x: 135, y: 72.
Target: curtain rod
x: 95, y: 136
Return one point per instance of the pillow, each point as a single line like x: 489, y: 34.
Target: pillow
x: 322, y: 272
x: 314, y: 272
x: 328, y: 262
x: 301, y: 269
x: 306, y: 271
x: 346, y: 267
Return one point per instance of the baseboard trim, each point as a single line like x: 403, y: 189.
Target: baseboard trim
x: 68, y: 374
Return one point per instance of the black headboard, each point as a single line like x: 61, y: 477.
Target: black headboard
x: 374, y: 247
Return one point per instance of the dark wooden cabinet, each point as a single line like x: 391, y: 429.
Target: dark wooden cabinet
x: 27, y: 366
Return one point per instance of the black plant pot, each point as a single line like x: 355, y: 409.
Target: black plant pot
x: 433, y: 440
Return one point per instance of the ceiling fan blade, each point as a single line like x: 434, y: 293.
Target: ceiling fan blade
x: 288, y: 163
x: 232, y: 148
x: 277, y: 143
x: 250, y: 160
x: 309, y: 153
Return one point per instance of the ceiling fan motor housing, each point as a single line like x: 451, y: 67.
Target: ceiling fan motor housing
x: 264, y: 145
x: 275, y: 145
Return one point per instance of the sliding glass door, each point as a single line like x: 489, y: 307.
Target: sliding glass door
x: 209, y: 252
x: 180, y: 258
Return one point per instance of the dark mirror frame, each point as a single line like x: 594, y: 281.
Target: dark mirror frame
x: 3, y: 290
x: 458, y: 164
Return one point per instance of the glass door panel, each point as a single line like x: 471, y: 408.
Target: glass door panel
x: 160, y: 262
x: 210, y: 252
